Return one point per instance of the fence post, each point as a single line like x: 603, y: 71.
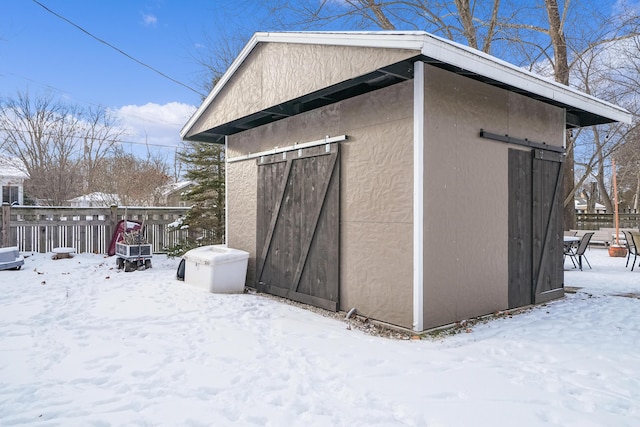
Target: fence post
x: 42, y: 237
x: 39, y: 226
x: 113, y: 223
x: 6, y: 221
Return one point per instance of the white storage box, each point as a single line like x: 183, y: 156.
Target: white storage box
x: 216, y: 268
x: 10, y: 258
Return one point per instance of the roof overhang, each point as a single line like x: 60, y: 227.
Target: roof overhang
x: 582, y: 109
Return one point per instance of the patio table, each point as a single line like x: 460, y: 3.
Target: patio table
x: 570, y: 242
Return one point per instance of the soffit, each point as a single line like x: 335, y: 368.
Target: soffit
x: 582, y: 110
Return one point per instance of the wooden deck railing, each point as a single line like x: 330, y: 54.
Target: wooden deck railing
x: 604, y: 220
x: 40, y: 229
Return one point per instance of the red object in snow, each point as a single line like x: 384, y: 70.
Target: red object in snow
x: 118, y: 235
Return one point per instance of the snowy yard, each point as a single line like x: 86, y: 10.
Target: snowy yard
x: 82, y: 343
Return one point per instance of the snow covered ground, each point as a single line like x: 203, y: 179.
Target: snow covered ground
x: 82, y: 343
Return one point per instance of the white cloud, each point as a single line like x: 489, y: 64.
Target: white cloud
x: 149, y: 20
x: 154, y: 124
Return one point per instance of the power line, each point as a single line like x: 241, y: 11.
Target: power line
x: 85, y: 101
x: 116, y: 141
x: 116, y: 49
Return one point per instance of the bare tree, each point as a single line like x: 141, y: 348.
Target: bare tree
x: 136, y: 181
x: 562, y: 39
x: 43, y: 133
x: 217, y: 56
x: 626, y: 76
x: 101, y: 132
x: 551, y: 36
x: 628, y: 160
x: 476, y: 23
x: 609, y: 69
x: 64, y: 148
x: 577, y: 60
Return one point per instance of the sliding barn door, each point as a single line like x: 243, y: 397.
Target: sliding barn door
x: 520, y: 229
x: 548, y: 258
x: 535, y: 227
x: 298, y: 225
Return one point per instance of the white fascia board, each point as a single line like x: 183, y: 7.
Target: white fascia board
x: 218, y: 87
x: 504, y: 72
x: 460, y: 56
x: 390, y: 40
x: 411, y: 40
x: 432, y: 47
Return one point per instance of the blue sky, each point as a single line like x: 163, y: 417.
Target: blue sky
x: 41, y: 53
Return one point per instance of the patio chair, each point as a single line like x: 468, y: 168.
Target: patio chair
x: 628, y: 242
x: 578, y: 253
x: 633, y: 239
x: 569, y: 249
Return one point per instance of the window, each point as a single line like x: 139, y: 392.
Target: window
x: 9, y: 194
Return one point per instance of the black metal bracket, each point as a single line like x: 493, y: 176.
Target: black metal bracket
x: 525, y: 142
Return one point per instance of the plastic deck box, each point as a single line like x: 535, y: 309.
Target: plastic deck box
x: 216, y: 268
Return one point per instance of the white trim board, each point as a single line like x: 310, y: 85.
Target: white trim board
x: 296, y: 146
x: 418, y: 196
x: 431, y: 47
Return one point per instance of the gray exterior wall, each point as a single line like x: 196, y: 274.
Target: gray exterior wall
x: 376, y: 195
x: 466, y: 191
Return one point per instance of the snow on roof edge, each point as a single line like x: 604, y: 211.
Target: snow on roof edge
x: 12, y: 167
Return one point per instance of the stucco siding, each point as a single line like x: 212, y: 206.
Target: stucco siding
x: 277, y: 72
x: 241, y: 187
x: 535, y: 120
x: 377, y: 214
x: 376, y: 195
x: 466, y: 191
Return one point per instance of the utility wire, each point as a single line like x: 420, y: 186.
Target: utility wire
x: 113, y: 140
x: 85, y: 101
x: 117, y: 112
x: 116, y: 49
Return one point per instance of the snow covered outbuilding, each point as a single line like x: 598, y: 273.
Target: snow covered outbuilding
x: 352, y: 158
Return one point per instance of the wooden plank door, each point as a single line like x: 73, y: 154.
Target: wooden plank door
x: 548, y: 274
x: 535, y: 227
x: 298, y: 225
x: 520, y: 240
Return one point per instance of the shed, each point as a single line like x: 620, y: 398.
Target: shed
x: 352, y: 159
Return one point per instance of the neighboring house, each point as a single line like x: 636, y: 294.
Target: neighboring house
x: 581, y: 206
x: 95, y: 200
x: 349, y: 155
x: 171, y: 194
x: 12, y: 176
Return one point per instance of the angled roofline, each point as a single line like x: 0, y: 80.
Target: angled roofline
x: 502, y: 71
x: 432, y: 49
x: 13, y: 167
x: 170, y: 188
